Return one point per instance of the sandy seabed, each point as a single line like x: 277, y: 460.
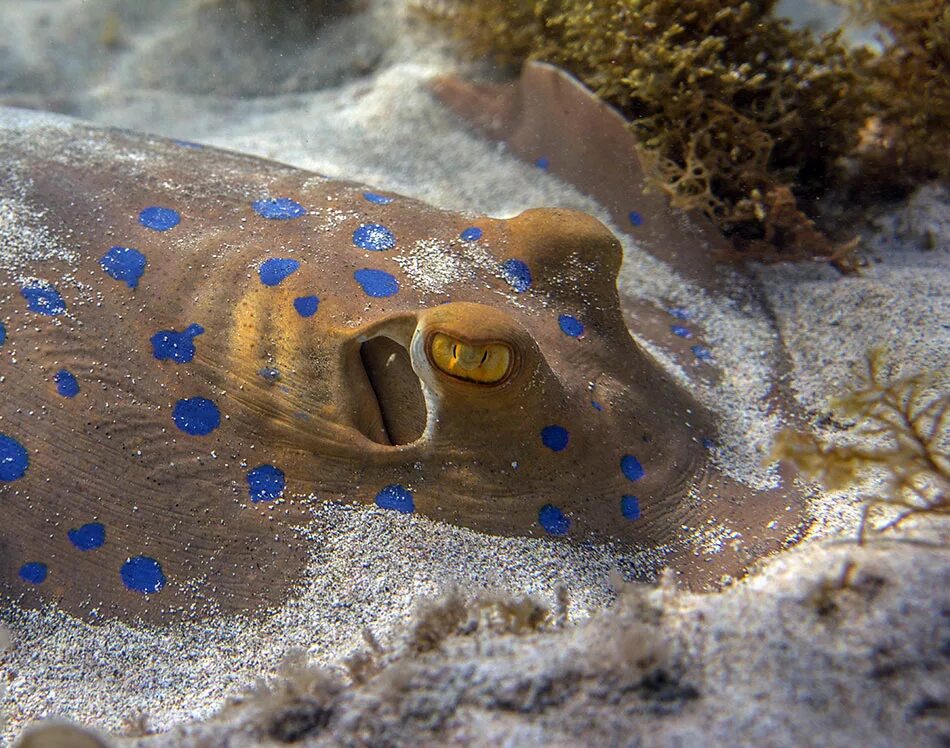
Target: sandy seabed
x: 769, y: 662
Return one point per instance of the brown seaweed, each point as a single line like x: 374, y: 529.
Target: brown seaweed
x: 907, y: 139
x: 741, y: 116
x: 902, y: 427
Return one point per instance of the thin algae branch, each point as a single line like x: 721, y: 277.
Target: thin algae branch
x: 900, y: 431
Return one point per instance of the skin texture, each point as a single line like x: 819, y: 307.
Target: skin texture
x: 169, y: 486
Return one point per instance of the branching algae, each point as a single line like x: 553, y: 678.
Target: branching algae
x: 743, y: 116
x: 908, y: 138
x: 903, y: 426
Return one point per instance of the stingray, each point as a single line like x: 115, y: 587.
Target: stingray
x: 197, y: 345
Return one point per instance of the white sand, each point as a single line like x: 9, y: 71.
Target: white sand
x: 354, y: 104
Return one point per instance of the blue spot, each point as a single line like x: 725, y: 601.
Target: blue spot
x: 543, y: 163
x: 596, y: 405
x: 680, y: 313
x: 186, y: 143
x: 375, y: 197
x: 630, y: 507
x: 3, y: 334
x: 397, y: 498
x: 33, y: 572
x: 708, y: 443
x: 279, y: 208
x: 66, y: 384
x: 471, y: 234
x: 681, y: 331
x: 270, y: 373
x: 306, y: 306
x: 197, y: 416
x: 13, y: 459
x: 88, y: 537
x: 124, y: 264
x: 178, y: 346
x: 570, y: 326
x: 518, y: 274
x: 702, y: 353
x: 159, y: 219
x: 377, y: 283
x: 266, y: 483
x: 553, y: 520
x: 635, y: 218
x: 554, y: 438
x: 631, y: 467
x: 276, y: 269
x: 42, y: 298
x: 142, y: 574
x: 374, y: 237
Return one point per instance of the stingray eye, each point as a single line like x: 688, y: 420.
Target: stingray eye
x: 487, y: 363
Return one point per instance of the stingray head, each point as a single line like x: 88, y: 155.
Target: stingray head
x: 522, y: 406
x: 530, y: 412
x: 540, y: 414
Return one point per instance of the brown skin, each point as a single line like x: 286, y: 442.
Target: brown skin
x: 113, y: 454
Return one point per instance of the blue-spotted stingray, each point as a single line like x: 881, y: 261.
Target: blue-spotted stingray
x: 193, y: 342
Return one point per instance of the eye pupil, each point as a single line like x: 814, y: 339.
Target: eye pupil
x: 484, y: 363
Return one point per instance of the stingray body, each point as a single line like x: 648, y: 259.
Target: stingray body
x: 196, y: 345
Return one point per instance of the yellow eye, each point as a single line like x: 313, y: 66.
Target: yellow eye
x: 485, y: 364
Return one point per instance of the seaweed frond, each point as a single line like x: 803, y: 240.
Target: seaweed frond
x: 908, y: 138
x: 741, y: 116
x: 901, y: 429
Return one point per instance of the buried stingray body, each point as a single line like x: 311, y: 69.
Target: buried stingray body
x: 196, y: 345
